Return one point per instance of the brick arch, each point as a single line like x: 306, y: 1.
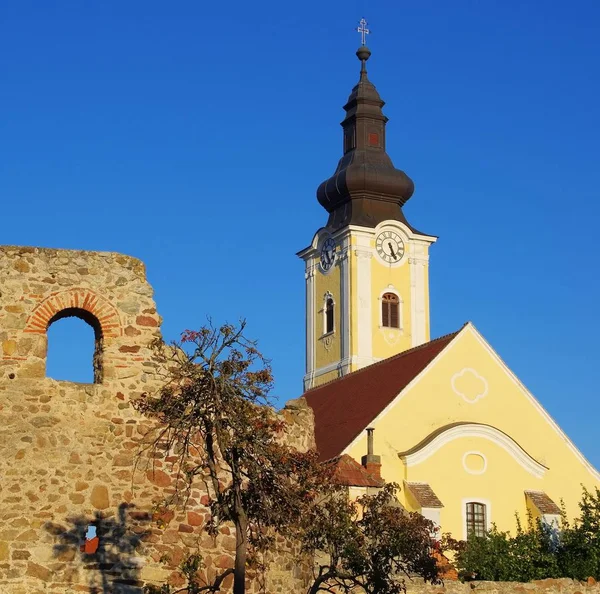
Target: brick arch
x: 75, y: 299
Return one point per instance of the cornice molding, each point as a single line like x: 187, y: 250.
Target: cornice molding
x: 363, y: 254
x: 430, y: 445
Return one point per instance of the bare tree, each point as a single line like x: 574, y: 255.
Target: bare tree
x: 214, y: 412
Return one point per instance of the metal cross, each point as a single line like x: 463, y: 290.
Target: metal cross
x: 363, y: 30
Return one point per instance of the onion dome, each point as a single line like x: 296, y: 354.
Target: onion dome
x: 366, y: 188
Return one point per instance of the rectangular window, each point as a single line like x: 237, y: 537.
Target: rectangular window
x: 390, y: 311
x: 476, y: 519
x: 329, y: 306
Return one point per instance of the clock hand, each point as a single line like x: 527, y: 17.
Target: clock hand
x: 392, y: 250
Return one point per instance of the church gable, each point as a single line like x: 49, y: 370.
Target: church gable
x: 469, y: 428
x: 468, y: 382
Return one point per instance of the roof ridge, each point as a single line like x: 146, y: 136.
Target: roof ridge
x: 387, y: 359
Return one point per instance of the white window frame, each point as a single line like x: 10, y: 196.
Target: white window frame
x: 400, y: 309
x: 488, y: 513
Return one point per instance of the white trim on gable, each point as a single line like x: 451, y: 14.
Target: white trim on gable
x: 488, y: 432
x: 532, y: 399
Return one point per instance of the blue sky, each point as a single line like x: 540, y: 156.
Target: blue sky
x: 194, y: 135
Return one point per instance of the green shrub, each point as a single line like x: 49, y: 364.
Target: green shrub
x: 499, y: 556
x: 579, y: 544
x: 537, y: 552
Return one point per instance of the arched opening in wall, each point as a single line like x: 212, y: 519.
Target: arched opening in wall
x: 74, y: 347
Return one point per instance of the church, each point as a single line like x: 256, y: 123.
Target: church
x: 445, y: 419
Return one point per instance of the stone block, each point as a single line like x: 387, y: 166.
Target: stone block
x: 9, y: 348
x: 195, y: 519
x: 147, y: 321
x: 159, y: 478
x: 38, y: 571
x: 99, y: 497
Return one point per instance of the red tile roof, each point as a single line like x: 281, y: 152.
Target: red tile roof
x: 346, y: 406
x: 424, y: 495
x: 349, y: 472
x: 544, y: 504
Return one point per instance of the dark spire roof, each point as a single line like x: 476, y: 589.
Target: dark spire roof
x: 366, y: 188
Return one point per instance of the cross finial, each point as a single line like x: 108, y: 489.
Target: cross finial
x: 363, y: 30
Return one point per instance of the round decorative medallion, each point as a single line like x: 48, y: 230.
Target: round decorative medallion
x: 474, y: 462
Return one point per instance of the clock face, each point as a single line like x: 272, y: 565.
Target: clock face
x: 328, y: 254
x: 390, y: 246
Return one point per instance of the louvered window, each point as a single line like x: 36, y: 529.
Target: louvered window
x: 476, y: 519
x: 390, y: 310
x: 329, y: 307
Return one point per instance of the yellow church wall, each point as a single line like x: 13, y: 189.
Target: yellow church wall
x: 454, y: 484
x: 328, y: 348
x: 467, y: 384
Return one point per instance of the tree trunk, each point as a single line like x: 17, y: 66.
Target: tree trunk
x: 241, y: 551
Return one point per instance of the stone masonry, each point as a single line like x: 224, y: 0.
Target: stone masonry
x: 549, y: 586
x: 67, y: 450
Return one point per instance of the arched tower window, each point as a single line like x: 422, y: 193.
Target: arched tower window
x: 390, y: 310
x: 70, y: 349
x: 328, y: 310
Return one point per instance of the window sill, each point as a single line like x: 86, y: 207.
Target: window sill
x: 386, y: 328
x: 326, y: 335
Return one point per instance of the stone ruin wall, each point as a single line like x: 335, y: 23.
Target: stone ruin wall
x: 67, y: 449
x: 548, y: 586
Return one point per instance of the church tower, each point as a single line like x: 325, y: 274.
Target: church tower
x: 367, y: 287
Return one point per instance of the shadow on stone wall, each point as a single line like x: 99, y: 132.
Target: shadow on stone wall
x: 114, y: 567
